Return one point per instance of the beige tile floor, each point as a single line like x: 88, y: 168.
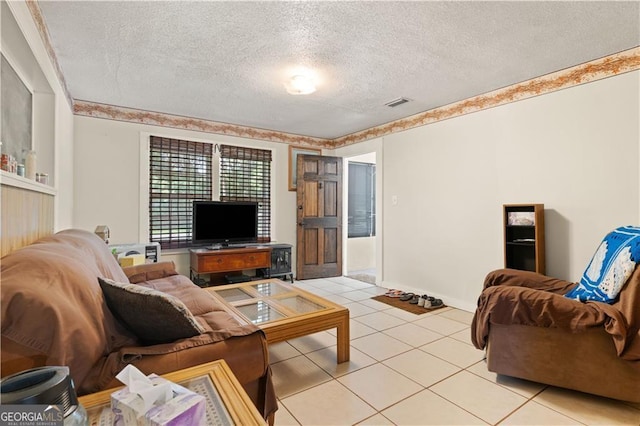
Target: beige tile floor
x: 408, y: 369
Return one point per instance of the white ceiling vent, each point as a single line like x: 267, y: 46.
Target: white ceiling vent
x: 394, y: 103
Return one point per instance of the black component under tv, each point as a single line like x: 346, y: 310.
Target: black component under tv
x: 224, y: 223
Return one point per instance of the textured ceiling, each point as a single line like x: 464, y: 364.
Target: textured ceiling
x: 228, y: 61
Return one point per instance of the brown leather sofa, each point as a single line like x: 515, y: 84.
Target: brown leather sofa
x: 531, y: 331
x: 54, y: 313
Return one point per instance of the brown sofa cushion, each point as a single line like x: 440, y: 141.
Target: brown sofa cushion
x: 223, y: 338
x: 152, y: 315
x: 149, y: 271
x: 52, y: 303
x: 211, y: 313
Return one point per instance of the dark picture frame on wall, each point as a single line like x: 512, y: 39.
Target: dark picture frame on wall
x: 294, y: 151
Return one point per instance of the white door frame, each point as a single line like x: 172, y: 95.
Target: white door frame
x: 363, y: 157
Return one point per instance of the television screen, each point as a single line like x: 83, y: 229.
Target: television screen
x: 224, y: 222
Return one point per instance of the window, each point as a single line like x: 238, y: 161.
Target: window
x: 179, y: 173
x: 362, y: 200
x: 245, y: 175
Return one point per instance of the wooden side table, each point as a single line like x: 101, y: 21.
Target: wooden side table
x: 227, y: 402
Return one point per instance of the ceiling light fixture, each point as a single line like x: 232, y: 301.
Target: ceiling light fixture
x: 300, y: 85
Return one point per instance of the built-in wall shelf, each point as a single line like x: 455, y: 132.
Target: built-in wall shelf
x: 12, y: 179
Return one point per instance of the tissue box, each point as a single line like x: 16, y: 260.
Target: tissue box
x: 185, y: 408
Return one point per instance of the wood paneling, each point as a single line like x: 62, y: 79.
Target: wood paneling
x: 310, y: 203
x: 26, y: 216
x: 331, y: 245
x: 330, y: 199
x: 311, y: 247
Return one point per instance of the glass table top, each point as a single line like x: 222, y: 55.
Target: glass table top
x: 300, y: 304
x: 267, y: 301
x: 234, y: 294
x: 270, y: 289
x: 260, y: 312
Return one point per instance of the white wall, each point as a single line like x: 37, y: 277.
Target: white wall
x: 361, y: 254
x: 107, y: 191
x: 53, y: 116
x: 64, y: 165
x: 574, y: 150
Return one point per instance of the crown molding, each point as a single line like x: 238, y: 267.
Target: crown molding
x: 619, y: 63
x: 117, y: 113
x: 38, y: 19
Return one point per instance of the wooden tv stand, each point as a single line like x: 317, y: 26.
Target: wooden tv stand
x: 224, y: 260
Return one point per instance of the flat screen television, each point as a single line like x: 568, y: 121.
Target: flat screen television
x: 224, y: 223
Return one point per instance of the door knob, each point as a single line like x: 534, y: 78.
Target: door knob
x: 300, y: 207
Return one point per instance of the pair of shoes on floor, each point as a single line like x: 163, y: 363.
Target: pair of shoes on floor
x: 407, y: 297
x: 425, y: 300
x: 394, y: 293
x: 433, y: 303
x: 429, y: 302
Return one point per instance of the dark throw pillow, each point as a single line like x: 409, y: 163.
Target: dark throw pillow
x: 150, y: 314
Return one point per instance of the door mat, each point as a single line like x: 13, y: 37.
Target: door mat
x: 406, y: 306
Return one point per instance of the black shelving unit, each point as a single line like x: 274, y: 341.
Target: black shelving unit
x: 524, y: 246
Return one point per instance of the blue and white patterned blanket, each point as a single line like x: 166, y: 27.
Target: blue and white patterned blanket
x: 611, y: 266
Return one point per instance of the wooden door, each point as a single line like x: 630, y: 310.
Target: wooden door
x: 319, y: 202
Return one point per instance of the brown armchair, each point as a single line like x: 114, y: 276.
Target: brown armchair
x: 531, y: 331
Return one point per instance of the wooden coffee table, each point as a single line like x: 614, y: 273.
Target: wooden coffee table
x: 285, y: 312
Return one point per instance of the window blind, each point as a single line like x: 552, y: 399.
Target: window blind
x: 362, y: 200
x: 179, y: 173
x: 245, y: 175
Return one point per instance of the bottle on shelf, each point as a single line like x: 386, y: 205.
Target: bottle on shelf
x: 30, y: 165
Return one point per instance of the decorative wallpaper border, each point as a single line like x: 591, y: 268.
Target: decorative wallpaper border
x: 38, y: 19
x: 598, y: 69
x: 619, y: 63
x: 110, y: 112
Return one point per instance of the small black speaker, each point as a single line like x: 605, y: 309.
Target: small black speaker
x: 42, y: 385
